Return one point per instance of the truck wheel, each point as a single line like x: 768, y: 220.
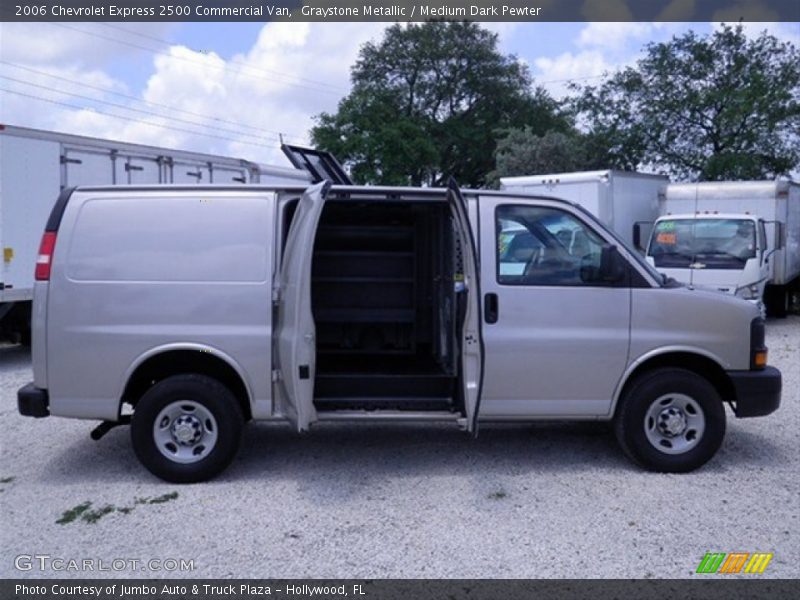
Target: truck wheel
x: 186, y: 428
x: 776, y: 299
x: 670, y: 420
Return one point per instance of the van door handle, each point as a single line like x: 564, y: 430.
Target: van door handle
x: 491, y: 308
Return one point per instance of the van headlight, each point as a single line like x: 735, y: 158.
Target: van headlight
x: 748, y: 292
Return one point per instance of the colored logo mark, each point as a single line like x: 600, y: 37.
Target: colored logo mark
x: 735, y: 562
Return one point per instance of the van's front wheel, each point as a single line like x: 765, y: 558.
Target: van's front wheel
x: 671, y: 420
x: 186, y: 428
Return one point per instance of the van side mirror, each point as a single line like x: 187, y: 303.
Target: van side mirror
x: 612, y: 264
x: 637, y: 234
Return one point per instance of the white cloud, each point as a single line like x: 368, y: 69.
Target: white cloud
x: 292, y: 72
x: 84, y: 44
x: 556, y: 73
x: 613, y: 35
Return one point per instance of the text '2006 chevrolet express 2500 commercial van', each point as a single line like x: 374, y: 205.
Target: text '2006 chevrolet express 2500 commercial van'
x: 188, y: 311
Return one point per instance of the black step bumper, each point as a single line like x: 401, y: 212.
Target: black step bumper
x: 758, y: 393
x: 33, y: 401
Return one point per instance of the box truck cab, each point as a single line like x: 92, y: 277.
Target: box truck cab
x: 724, y: 252
x: 737, y: 237
x: 188, y: 311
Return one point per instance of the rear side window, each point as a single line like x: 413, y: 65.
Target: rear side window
x: 182, y: 239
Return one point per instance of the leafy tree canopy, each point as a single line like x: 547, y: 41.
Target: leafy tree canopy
x: 712, y: 107
x: 429, y: 101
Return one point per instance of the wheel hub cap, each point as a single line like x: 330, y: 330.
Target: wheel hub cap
x: 187, y: 430
x: 672, y: 422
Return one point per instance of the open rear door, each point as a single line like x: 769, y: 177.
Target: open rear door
x: 471, y: 340
x: 294, y: 330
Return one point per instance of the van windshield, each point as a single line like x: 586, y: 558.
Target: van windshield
x: 712, y: 243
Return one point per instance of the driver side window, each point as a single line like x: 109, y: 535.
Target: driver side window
x: 545, y: 246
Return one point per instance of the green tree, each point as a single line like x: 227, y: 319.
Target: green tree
x: 523, y: 152
x: 714, y: 107
x: 429, y: 101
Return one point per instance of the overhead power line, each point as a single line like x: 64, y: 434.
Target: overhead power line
x: 137, y: 110
x: 251, y: 67
x: 141, y: 121
x: 150, y: 103
x: 197, y: 62
x: 569, y: 80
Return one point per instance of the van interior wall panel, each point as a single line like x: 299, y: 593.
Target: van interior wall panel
x: 382, y: 280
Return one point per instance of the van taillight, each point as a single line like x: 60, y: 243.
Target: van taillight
x: 45, y: 258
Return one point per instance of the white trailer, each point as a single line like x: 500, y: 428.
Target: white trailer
x: 618, y: 198
x: 36, y: 165
x: 739, y: 237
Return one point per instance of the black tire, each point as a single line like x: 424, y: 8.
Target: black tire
x: 212, y: 396
x: 631, y: 426
x: 776, y: 299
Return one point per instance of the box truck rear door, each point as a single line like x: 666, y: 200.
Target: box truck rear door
x: 295, y: 332
x: 470, y: 335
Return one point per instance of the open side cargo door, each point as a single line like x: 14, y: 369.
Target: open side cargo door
x: 469, y: 332
x: 294, y: 329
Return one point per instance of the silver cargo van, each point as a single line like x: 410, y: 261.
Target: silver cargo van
x: 189, y: 310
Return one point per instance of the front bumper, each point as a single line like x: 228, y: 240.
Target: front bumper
x: 758, y: 393
x: 33, y: 401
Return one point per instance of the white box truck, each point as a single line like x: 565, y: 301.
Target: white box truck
x: 618, y: 198
x: 738, y: 237
x: 36, y: 165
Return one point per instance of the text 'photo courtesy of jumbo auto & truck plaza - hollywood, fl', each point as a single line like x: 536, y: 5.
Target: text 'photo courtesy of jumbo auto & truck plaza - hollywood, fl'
x: 399, y: 299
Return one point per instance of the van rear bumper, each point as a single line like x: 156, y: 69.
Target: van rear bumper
x: 758, y: 393
x: 33, y: 401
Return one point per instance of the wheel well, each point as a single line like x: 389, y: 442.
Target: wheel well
x: 176, y: 362
x: 701, y: 365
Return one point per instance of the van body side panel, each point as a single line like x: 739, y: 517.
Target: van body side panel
x: 135, y: 271
x: 717, y: 325
x: 555, y: 351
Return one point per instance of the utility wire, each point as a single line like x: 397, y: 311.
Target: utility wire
x: 570, y: 80
x: 189, y: 60
x: 130, y: 108
x: 254, y: 68
x: 148, y: 102
x: 159, y: 125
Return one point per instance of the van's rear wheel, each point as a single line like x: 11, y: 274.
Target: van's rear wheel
x: 187, y: 428
x: 671, y: 420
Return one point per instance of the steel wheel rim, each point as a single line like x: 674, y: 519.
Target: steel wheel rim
x: 185, y: 431
x: 674, y: 423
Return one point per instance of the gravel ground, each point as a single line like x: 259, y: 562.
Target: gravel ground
x: 405, y: 501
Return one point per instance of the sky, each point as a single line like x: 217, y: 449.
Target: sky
x: 234, y: 88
